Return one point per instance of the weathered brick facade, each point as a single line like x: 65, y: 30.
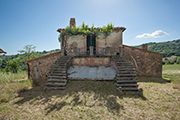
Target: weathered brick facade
x: 38, y: 68
x: 148, y: 63
x: 77, y: 44
x: 91, y: 61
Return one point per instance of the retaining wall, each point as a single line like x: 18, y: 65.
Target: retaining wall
x: 38, y: 68
x: 148, y: 63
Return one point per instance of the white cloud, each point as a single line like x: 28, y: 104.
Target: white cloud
x: 156, y: 34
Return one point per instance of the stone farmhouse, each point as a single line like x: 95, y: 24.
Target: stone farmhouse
x: 101, y: 57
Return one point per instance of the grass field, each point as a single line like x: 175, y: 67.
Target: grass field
x: 95, y: 100
x: 11, y: 84
x: 172, y: 72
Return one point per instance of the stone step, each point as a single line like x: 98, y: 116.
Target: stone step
x: 62, y: 67
x: 127, y: 85
x: 118, y: 58
x: 130, y: 89
x: 56, y: 84
x: 54, y: 65
x: 125, y: 62
x: 57, y: 80
x: 116, y: 61
x: 126, y: 75
x: 58, y: 71
x: 57, y: 74
x: 126, y: 78
x: 63, y: 60
x: 124, y: 66
x: 65, y: 57
x: 57, y: 65
x: 126, y: 81
x: 60, y: 77
x: 54, y: 88
x: 122, y: 69
x: 126, y: 72
x: 60, y: 63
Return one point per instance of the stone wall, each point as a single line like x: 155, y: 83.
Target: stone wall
x: 110, y: 43
x: 91, y: 61
x: 148, y: 63
x: 77, y: 44
x: 38, y: 68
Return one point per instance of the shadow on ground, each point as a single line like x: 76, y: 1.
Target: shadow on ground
x: 153, y: 79
x: 104, y: 93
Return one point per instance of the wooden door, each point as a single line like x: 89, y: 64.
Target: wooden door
x: 91, y: 41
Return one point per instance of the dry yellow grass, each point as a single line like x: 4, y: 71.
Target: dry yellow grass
x: 94, y: 100
x: 172, y: 72
x: 11, y: 84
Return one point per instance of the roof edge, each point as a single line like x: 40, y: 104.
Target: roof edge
x: 42, y: 56
x: 143, y: 50
x: 115, y: 28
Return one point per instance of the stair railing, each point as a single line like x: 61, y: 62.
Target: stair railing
x: 134, y: 61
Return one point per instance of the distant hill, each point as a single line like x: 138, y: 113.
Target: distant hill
x: 167, y: 48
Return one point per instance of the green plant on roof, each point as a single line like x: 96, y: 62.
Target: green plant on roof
x: 85, y: 30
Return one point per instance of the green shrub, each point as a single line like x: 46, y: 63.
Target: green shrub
x: 84, y: 29
x: 12, y: 66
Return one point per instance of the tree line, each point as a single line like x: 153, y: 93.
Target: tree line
x: 15, y: 63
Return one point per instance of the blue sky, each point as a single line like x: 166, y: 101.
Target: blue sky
x: 24, y: 22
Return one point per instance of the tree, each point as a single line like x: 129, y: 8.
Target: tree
x: 178, y: 60
x: 29, y: 52
x: 0, y: 62
x: 12, y: 65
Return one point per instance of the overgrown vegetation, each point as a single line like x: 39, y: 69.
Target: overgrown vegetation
x: 85, y: 30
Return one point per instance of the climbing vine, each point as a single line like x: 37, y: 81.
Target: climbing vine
x: 85, y: 30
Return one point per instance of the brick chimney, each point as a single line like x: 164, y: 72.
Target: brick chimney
x: 144, y: 46
x: 72, y: 22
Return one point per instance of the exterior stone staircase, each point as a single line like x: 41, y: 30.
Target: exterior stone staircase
x: 126, y: 76
x: 57, y: 78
